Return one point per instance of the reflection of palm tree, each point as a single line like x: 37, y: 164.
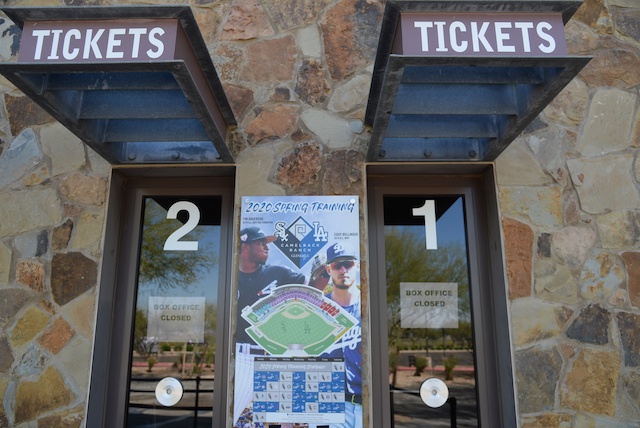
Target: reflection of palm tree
x: 141, y: 343
x: 210, y: 325
x: 162, y: 270
x: 407, y: 260
x: 170, y: 269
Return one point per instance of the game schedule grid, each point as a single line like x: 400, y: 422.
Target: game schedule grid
x: 299, y: 390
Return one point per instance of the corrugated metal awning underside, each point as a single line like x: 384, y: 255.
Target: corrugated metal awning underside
x: 133, y: 113
x: 456, y: 108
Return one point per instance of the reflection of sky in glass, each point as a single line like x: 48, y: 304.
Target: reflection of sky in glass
x: 450, y: 226
x: 451, y: 232
x: 207, y: 283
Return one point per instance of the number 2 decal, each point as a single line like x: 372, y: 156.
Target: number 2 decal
x: 173, y: 242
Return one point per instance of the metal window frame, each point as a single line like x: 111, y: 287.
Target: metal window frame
x: 493, y: 353
x: 116, y: 296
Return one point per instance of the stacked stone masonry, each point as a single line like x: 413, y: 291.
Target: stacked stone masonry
x: 297, y: 75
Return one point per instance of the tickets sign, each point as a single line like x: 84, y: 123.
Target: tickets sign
x: 478, y: 34
x: 99, y: 41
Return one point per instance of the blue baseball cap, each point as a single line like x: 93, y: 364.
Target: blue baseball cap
x: 341, y: 250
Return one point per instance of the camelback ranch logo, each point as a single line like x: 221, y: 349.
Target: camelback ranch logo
x: 300, y: 241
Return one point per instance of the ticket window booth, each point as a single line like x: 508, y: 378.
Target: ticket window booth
x: 440, y: 354
x: 137, y: 85
x: 454, y: 83
x: 162, y: 350
x: 436, y: 285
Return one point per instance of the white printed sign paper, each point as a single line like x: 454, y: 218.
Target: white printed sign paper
x: 428, y: 305
x: 176, y: 319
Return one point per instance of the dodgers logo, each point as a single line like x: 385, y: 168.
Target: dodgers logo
x: 299, y: 241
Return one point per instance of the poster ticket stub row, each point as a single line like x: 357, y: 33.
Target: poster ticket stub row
x: 299, y: 389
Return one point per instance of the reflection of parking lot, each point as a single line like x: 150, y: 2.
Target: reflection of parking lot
x: 464, y: 357
x: 179, y: 364
x: 145, y: 411
x: 411, y: 412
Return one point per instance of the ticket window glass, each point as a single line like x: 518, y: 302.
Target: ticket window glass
x: 171, y: 375
x: 167, y: 313
x: 433, y: 337
x: 429, y: 323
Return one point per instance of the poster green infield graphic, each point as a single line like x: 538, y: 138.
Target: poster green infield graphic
x: 297, y: 320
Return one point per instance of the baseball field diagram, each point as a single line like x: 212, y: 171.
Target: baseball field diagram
x: 296, y: 320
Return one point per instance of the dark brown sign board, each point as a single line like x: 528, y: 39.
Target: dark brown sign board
x: 483, y: 34
x: 123, y: 40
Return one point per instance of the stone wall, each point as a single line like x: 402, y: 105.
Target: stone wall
x: 52, y: 211
x: 570, y: 199
x: 297, y: 74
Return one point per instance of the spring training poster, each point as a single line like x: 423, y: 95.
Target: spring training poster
x: 298, y: 338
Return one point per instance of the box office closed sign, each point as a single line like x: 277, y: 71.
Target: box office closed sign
x: 428, y: 305
x: 176, y: 319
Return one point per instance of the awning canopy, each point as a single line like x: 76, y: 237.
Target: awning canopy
x: 136, y: 83
x: 460, y: 80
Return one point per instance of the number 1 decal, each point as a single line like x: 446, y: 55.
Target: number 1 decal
x: 428, y: 211
x: 173, y: 242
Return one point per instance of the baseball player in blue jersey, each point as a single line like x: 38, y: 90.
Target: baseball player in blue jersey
x: 342, y: 267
